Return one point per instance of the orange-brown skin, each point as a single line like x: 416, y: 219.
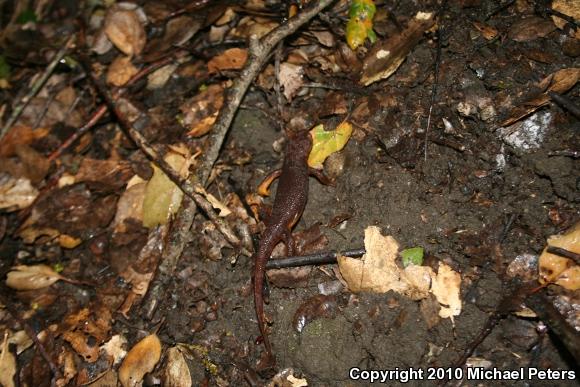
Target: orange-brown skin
x: 289, y: 203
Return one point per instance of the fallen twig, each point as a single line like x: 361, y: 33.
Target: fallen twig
x: 322, y: 258
x: 565, y: 253
x: 258, y: 54
x: 566, y: 103
x: 548, y: 313
x: 36, y: 87
x: 40, y: 347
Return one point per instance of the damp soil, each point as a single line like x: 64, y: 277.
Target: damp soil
x: 454, y: 200
x: 474, y: 199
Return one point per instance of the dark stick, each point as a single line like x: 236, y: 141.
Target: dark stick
x: 433, y: 88
x: 33, y: 336
x: 323, y: 258
x: 36, y: 87
x: 565, y: 253
x: 548, y: 313
x: 566, y: 103
x: 97, y: 115
x: 257, y: 56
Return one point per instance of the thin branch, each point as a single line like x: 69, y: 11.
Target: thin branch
x: 548, y: 313
x: 564, y: 253
x: 323, y: 258
x: 36, y: 87
x: 258, y: 54
x: 566, y: 103
x: 40, y: 347
x: 433, y: 89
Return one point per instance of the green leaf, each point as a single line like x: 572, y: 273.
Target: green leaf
x: 413, y: 256
x: 26, y: 16
x: 360, y: 23
x: 363, y: 9
x: 4, y: 68
x: 162, y: 197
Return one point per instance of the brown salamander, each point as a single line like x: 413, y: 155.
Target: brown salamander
x: 289, y: 203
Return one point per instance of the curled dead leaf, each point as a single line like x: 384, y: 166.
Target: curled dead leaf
x: 176, y: 370
x: 446, y: 288
x: 125, y: 31
x: 121, y: 71
x: 291, y: 78
x: 385, y: 58
x: 559, y: 270
x: 232, y: 59
x: 24, y: 277
x: 7, y: 364
x: 140, y: 360
x: 16, y: 193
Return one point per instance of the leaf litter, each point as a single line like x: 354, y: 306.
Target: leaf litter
x: 89, y: 203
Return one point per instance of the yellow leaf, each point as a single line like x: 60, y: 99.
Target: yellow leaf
x: 68, y: 241
x: 356, y: 33
x: 31, y: 277
x: 140, y: 360
x: 559, y: 270
x: 162, y: 197
x: 325, y: 143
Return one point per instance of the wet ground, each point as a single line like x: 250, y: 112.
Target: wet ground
x: 477, y: 198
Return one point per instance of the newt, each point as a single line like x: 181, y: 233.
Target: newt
x: 289, y: 203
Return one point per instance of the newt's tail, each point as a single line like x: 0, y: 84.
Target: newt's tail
x: 268, y: 360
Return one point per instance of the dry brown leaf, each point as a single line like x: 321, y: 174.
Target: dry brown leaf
x: 159, y: 77
x: 567, y: 7
x: 121, y: 71
x: 559, y: 270
x: 16, y: 193
x: 20, y: 135
x: 24, y: 277
x: 176, y: 370
x: 140, y: 360
x: 68, y: 241
x: 291, y: 78
x: 446, y: 288
x: 215, y: 203
x: 125, y: 31
x: 21, y: 340
x: 231, y: 59
x: 115, y: 348
x: 7, y: 364
x: 378, y: 272
x: 86, y: 329
x: 130, y: 204
x: 530, y: 28
x: 109, y: 379
x: 558, y: 82
x: 69, y: 369
x: 201, y: 111
x: 326, y: 38
x: 486, y: 31
x: 386, y: 57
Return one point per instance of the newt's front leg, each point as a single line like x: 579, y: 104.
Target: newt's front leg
x: 321, y: 177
